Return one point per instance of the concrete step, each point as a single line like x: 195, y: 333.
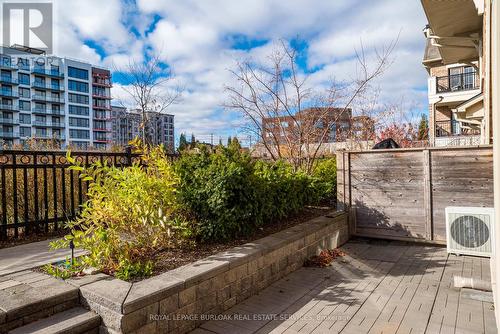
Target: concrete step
x: 73, y: 321
x: 28, y: 296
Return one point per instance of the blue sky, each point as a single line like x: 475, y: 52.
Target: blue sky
x: 201, y: 40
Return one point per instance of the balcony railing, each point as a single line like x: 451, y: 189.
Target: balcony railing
x: 47, y: 98
x: 48, y: 124
x: 50, y: 73
x: 9, y: 134
x: 101, y: 107
x: 452, y: 128
x: 47, y: 86
x: 49, y: 136
x: 8, y: 80
x: 101, y: 96
x: 11, y: 67
x: 457, y: 82
x: 9, y: 120
x: 8, y: 93
x: 47, y: 111
x: 10, y: 107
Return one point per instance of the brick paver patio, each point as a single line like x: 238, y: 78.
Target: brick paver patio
x: 379, y: 287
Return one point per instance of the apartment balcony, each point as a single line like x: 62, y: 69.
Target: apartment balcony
x: 99, y: 118
x: 9, y: 134
x: 448, y: 133
x: 98, y: 96
x: 45, y: 98
x: 9, y: 121
x: 8, y: 80
x: 98, y: 129
x: 457, y: 82
x: 43, y: 111
x: 8, y: 93
x: 48, y: 73
x: 59, y: 136
x: 41, y: 85
x: 103, y: 141
x: 102, y: 84
x: 9, y: 107
x: 101, y: 107
x: 48, y: 124
x: 9, y: 67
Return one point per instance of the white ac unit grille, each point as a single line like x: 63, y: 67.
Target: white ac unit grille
x: 469, y: 230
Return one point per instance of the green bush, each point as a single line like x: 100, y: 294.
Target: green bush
x: 229, y: 195
x: 131, y: 213
x: 325, y: 179
x: 220, y: 192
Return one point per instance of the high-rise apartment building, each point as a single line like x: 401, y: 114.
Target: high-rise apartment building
x: 52, y: 98
x: 126, y: 125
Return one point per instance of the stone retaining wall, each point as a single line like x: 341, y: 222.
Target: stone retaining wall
x: 181, y: 299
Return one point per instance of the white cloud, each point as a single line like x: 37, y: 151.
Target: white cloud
x: 195, y: 36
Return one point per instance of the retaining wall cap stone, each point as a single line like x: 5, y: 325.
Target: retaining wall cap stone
x: 110, y: 293
x: 151, y: 290
x: 198, y: 271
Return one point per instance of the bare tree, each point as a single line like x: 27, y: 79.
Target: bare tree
x: 148, y: 86
x: 273, y: 96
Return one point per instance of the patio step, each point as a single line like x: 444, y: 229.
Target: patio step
x: 73, y: 321
x: 29, y: 296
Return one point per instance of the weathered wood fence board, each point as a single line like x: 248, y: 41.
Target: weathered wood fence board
x: 403, y: 193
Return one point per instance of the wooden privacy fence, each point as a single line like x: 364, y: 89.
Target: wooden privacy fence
x: 402, y: 194
x: 38, y: 192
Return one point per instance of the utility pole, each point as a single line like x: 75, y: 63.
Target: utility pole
x: 212, y: 139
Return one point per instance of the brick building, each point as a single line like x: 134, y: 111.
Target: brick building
x: 326, y: 125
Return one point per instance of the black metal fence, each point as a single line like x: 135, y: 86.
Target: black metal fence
x: 457, y: 82
x: 38, y: 193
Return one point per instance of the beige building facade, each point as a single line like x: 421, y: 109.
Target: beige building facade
x: 455, y: 60
x: 457, y: 42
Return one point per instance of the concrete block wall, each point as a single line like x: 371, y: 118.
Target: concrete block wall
x: 181, y: 299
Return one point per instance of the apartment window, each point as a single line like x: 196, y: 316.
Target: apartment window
x: 78, y: 86
x: 54, y: 69
x: 55, y: 83
x: 101, y: 91
x: 78, y: 73
x: 6, y: 61
x: 101, y: 103
x: 24, y: 105
x: 40, y: 119
x: 100, y: 136
x: 99, y: 124
x: 81, y: 122
x: 79, y: 134
x: 24, y: 79
x: 78, y: 110
x: 24, y: 119
x: 24, y: 92
x: 77, y: 98
x: 80, y: 144
x: 23, y: 64
x: 99, y: 114
x: 41, y: 132
x: 40, y: 106
x: 40, y: 80
x: 24, y: 131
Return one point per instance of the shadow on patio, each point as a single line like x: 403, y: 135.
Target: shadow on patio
x: 378, y: 287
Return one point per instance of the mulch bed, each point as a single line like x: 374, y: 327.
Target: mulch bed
x: 176, y: 257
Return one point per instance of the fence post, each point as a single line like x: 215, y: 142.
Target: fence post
x: 128, y: 153
x: 429, y: 233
